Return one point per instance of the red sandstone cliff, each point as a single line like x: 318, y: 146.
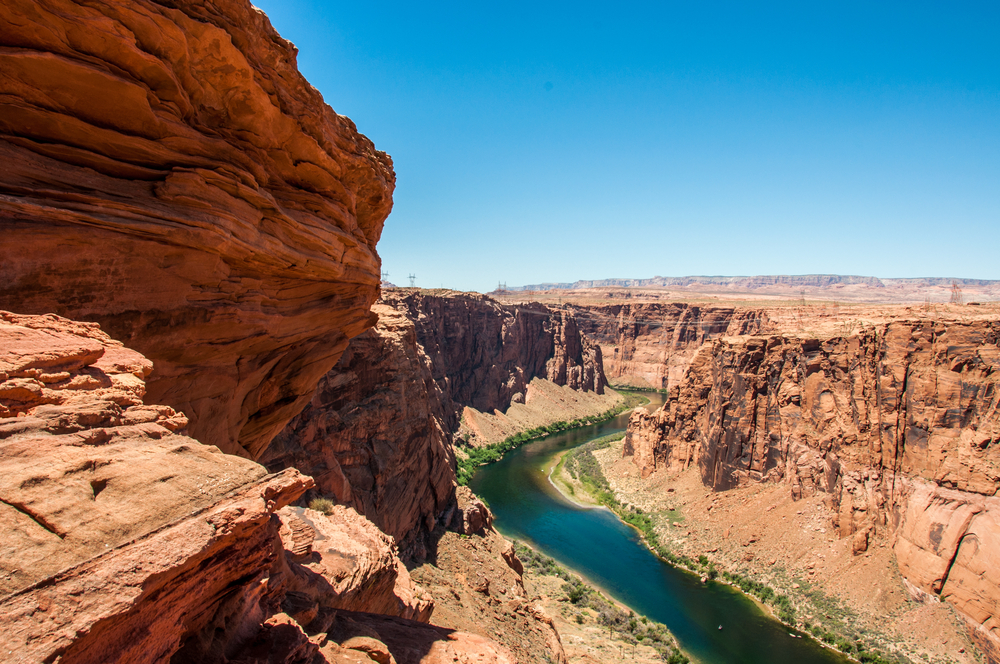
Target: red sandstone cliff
x: 898, y: 423
x: 170, y: 174
x: 378, y: 432
x: 127, y: 541
x: 652, y: 344
x: 484, y: 353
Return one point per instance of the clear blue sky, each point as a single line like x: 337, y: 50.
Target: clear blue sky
x: 563, y: 141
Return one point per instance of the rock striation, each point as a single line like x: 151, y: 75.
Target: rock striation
x: 378, y: 432
x: 170, y: 174
x: 127, y: 541
x: 483, y: 353
x: 650, y: 344
x: 897, y: 423
x: 374, y: 434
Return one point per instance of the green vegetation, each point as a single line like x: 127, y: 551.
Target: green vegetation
x: 630, y: 388
x: 470, y: 458
x: 583, y: 466
x: 621, y: 624
x: 324, y: 505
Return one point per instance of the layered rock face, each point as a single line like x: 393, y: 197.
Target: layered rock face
x: 483, y: 354
x: 127, y: 541
x: 378, y: 432
x: 170, y: 174
x: 652, y: 344
x: 898, y: 423
x: 374, y: 435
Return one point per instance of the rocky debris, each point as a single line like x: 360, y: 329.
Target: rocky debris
x: 865, y: 419
x: 169, y: 174
x: 357, y: 563
x: 471, y: 515
x: 650, y: 344
x: 365, y: 638
x: 478, y: 586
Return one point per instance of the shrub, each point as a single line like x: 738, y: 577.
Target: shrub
x: 324, y: 505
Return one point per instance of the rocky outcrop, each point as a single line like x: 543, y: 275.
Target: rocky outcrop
x: 78, y: 446
x: 378, y: 432
x: 374, y: 435
x: 127, y: 541
x: 652, y: 344
x: 169, y: 174
x: 948, y: 547
x: 356, y: 560
x: 899, y: 424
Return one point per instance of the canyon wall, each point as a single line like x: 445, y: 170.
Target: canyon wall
x: 652, y: 344
x: 128, y: 541
x: 898, y: 424
x: 171, y: 175
x: 378, y: 432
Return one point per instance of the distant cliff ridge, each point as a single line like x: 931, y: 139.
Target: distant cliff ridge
x: 910, y: 288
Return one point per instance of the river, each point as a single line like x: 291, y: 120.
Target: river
x: 609, y: 554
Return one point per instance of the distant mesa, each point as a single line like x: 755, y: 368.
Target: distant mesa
x: 845, y: 287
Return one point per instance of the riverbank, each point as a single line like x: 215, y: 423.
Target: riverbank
x: 768, y: 544
x: 542, y: 403
x: 594, y: 628
x: 468, y: 457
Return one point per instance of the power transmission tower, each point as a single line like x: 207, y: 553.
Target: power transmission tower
x: 385, y: 275
x: 413, y: 280
x: 956, y: 293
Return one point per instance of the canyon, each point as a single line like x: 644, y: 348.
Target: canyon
x: 380, y: 432
x: 888, y: 416
x: 223, y: 441
x: 190, y: 247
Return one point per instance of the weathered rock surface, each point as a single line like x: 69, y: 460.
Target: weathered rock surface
x: 948, y: 547
x: 356, y: 562
x: 170, y: 174
x: 78, y: 446
x: 652, y: 344
x: 899, y: 423
x: 378, y: 432
x: 126, y: 541
x: 374, y: 435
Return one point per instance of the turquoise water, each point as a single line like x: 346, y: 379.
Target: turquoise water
x: 595, y: 544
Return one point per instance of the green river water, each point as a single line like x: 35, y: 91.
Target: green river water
x: 610, y: 554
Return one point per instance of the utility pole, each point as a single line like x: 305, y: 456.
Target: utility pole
x: 413, y: 280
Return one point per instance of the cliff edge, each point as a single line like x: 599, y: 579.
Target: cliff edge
x: 171, y: 175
